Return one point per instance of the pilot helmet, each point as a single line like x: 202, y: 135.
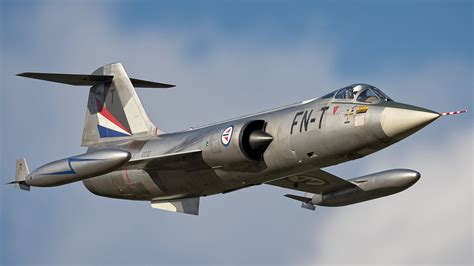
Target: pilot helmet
x: 356, y: 89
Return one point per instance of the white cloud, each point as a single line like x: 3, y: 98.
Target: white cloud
x: 429, y: 223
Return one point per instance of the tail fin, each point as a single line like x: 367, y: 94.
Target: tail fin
x: 114, y: 110
x: 22, y: 172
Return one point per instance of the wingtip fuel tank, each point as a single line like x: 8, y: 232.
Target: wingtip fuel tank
x: 363, y: 188
x: 77, y: 168
x: 372, y: 186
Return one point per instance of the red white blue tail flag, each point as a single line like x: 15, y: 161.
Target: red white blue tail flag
x: 110, y: 126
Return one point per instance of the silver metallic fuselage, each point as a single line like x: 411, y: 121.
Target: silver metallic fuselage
x: 306, y: 136
x: 129, y: 157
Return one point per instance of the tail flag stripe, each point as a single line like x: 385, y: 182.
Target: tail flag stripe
x: 105, y: 113
x: 107, y: 132
x: 103, y: 121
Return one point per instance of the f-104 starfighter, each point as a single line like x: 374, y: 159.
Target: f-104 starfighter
x: 128, y: 157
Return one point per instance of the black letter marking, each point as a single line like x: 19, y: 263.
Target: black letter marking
x: 324, y: 109
x: 305, y: 121
x: 295, y: 122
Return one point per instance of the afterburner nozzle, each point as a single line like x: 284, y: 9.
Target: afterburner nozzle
x: 259, y: 140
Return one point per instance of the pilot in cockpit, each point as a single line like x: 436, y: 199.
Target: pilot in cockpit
x: 356, y: 89
x: 364, y: 93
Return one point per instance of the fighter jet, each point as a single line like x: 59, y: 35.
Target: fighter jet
x: 128, y: 157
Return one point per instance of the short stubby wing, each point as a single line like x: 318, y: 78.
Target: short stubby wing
x: 316, y: 181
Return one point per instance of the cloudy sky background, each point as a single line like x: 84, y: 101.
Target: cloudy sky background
x: 230, y: 59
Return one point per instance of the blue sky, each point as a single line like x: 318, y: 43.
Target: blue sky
x: 229, y: 59
x: 363, y: 30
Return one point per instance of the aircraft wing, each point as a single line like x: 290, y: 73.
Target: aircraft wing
x: 317, y: 182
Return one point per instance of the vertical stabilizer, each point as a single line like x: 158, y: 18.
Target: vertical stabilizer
x: 114, y: 110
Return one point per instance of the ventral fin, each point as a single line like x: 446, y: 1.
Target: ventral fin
x: 186, y: 205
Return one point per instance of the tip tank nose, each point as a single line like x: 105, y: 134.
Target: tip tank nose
x: 397, y: 121
x: 402, y: 178
x: 409, y: 176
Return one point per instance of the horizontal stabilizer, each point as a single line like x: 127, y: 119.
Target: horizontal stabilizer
x: 139, y: 83
x: 187, y: 205
x: 89, y: 80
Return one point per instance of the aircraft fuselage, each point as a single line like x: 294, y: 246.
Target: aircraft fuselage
x: 128, y: 157
x: 307, y: 136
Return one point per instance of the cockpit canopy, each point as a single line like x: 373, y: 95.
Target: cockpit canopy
x: 360, y: 92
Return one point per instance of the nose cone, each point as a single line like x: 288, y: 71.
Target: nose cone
x: 397, y: 121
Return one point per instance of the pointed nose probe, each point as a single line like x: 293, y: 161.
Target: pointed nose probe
x: 395, y: 121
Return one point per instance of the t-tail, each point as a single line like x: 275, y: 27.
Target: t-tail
x: 114, y: 111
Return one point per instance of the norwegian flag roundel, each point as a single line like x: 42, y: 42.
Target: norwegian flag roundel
x: 227, y: 135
